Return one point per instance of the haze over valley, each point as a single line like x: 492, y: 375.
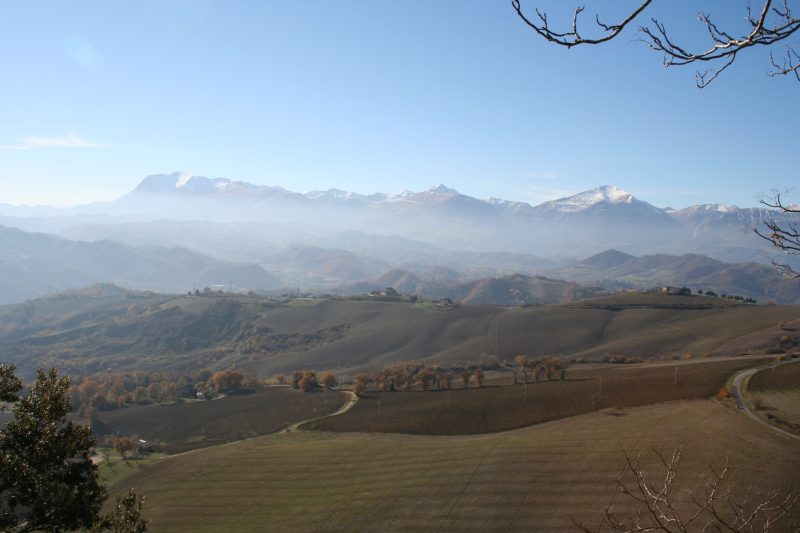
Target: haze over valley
x: 177, y: 232
x: 358, y: 266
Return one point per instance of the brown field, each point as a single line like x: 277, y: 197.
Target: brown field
x: 534, y: 479
x: 184, y: 426
x: 498, y: 408
x: 782, y: 378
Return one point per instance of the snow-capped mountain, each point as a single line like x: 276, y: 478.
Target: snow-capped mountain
x: 609, y: 199
x: 575, y: 226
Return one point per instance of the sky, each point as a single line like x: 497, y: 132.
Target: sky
x: 378, y: 95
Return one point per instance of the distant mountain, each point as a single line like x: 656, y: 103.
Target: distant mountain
x: 606, y: 199
x: 608, y: 259
x: 564, y: 229
x: 33, y: 264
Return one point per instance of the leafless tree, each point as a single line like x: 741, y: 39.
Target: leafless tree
x: 766, y: 27
x: 716, y: 509
x: 783, y: 235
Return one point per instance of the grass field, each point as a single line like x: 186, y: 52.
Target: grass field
x: 497, y: 408
x: 533, y: 479
x: 183, y: 426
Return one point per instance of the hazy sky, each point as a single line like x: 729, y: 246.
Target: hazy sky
x: 376, y: 95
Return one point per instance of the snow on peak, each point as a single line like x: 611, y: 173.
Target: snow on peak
x: 443, y: 189
x: 400, y: 196
x: 609, y: 194
x: 183, y: 179
x: 334, y: 195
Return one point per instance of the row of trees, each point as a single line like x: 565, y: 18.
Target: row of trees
x: 405, y: 375
x: 539, y: 369
x: 308, y: 381
x: 112, y: 390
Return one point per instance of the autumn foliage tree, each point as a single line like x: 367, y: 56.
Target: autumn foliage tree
x: 308, y: 382
x: 466, y: 375
x: 329, y: 380
x: 424, y: 378
x: 360, y: 384
x: 479, y: 377
x: 297, y: 376
x: 124, y: 445
x: 226, y: 380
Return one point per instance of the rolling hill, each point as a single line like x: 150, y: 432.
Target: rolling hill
x: 616, y: 269
x: 139, y: 331
x: 33, y: 264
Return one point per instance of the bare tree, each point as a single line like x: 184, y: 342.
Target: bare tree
x: 716, y: 509
x: 766, y: 27
x: 784, y: 236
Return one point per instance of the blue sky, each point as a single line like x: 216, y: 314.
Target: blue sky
x: 376, y: 95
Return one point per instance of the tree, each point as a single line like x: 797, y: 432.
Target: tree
x: 521, y: 365
x: 309, y: 382
x: 360, y: 384
x: 466, y: 375
x: 716, y: 509
x: 124, y: 445
x: 47, y: 479
x: 479, y: 376
x: 280, y: 379
x: 784, y: 236
x: 126, y: 517
x: 424, y: 378
x: 444, y: 381
x: 766, y: 27
x: 226, y: 380
x: 328, y: 380
x: 297, y: 376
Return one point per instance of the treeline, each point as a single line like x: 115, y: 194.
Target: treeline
x: 113, y: 390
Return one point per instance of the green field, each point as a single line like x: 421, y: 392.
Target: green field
x: 533, y: 479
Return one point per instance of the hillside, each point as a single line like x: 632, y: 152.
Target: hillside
x: 81, y: 334
x: 33, y: 264
x: 616, y: 269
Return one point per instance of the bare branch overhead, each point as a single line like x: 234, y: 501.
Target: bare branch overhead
x: 771, y: 25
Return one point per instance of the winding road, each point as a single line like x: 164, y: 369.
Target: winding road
x: 738, y: 380
x: 349, y: 404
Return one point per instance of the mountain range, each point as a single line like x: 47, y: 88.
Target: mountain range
x: 178, y: 230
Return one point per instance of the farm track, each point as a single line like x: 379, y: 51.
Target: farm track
x: 352, y: 400
x: 739, y: 382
